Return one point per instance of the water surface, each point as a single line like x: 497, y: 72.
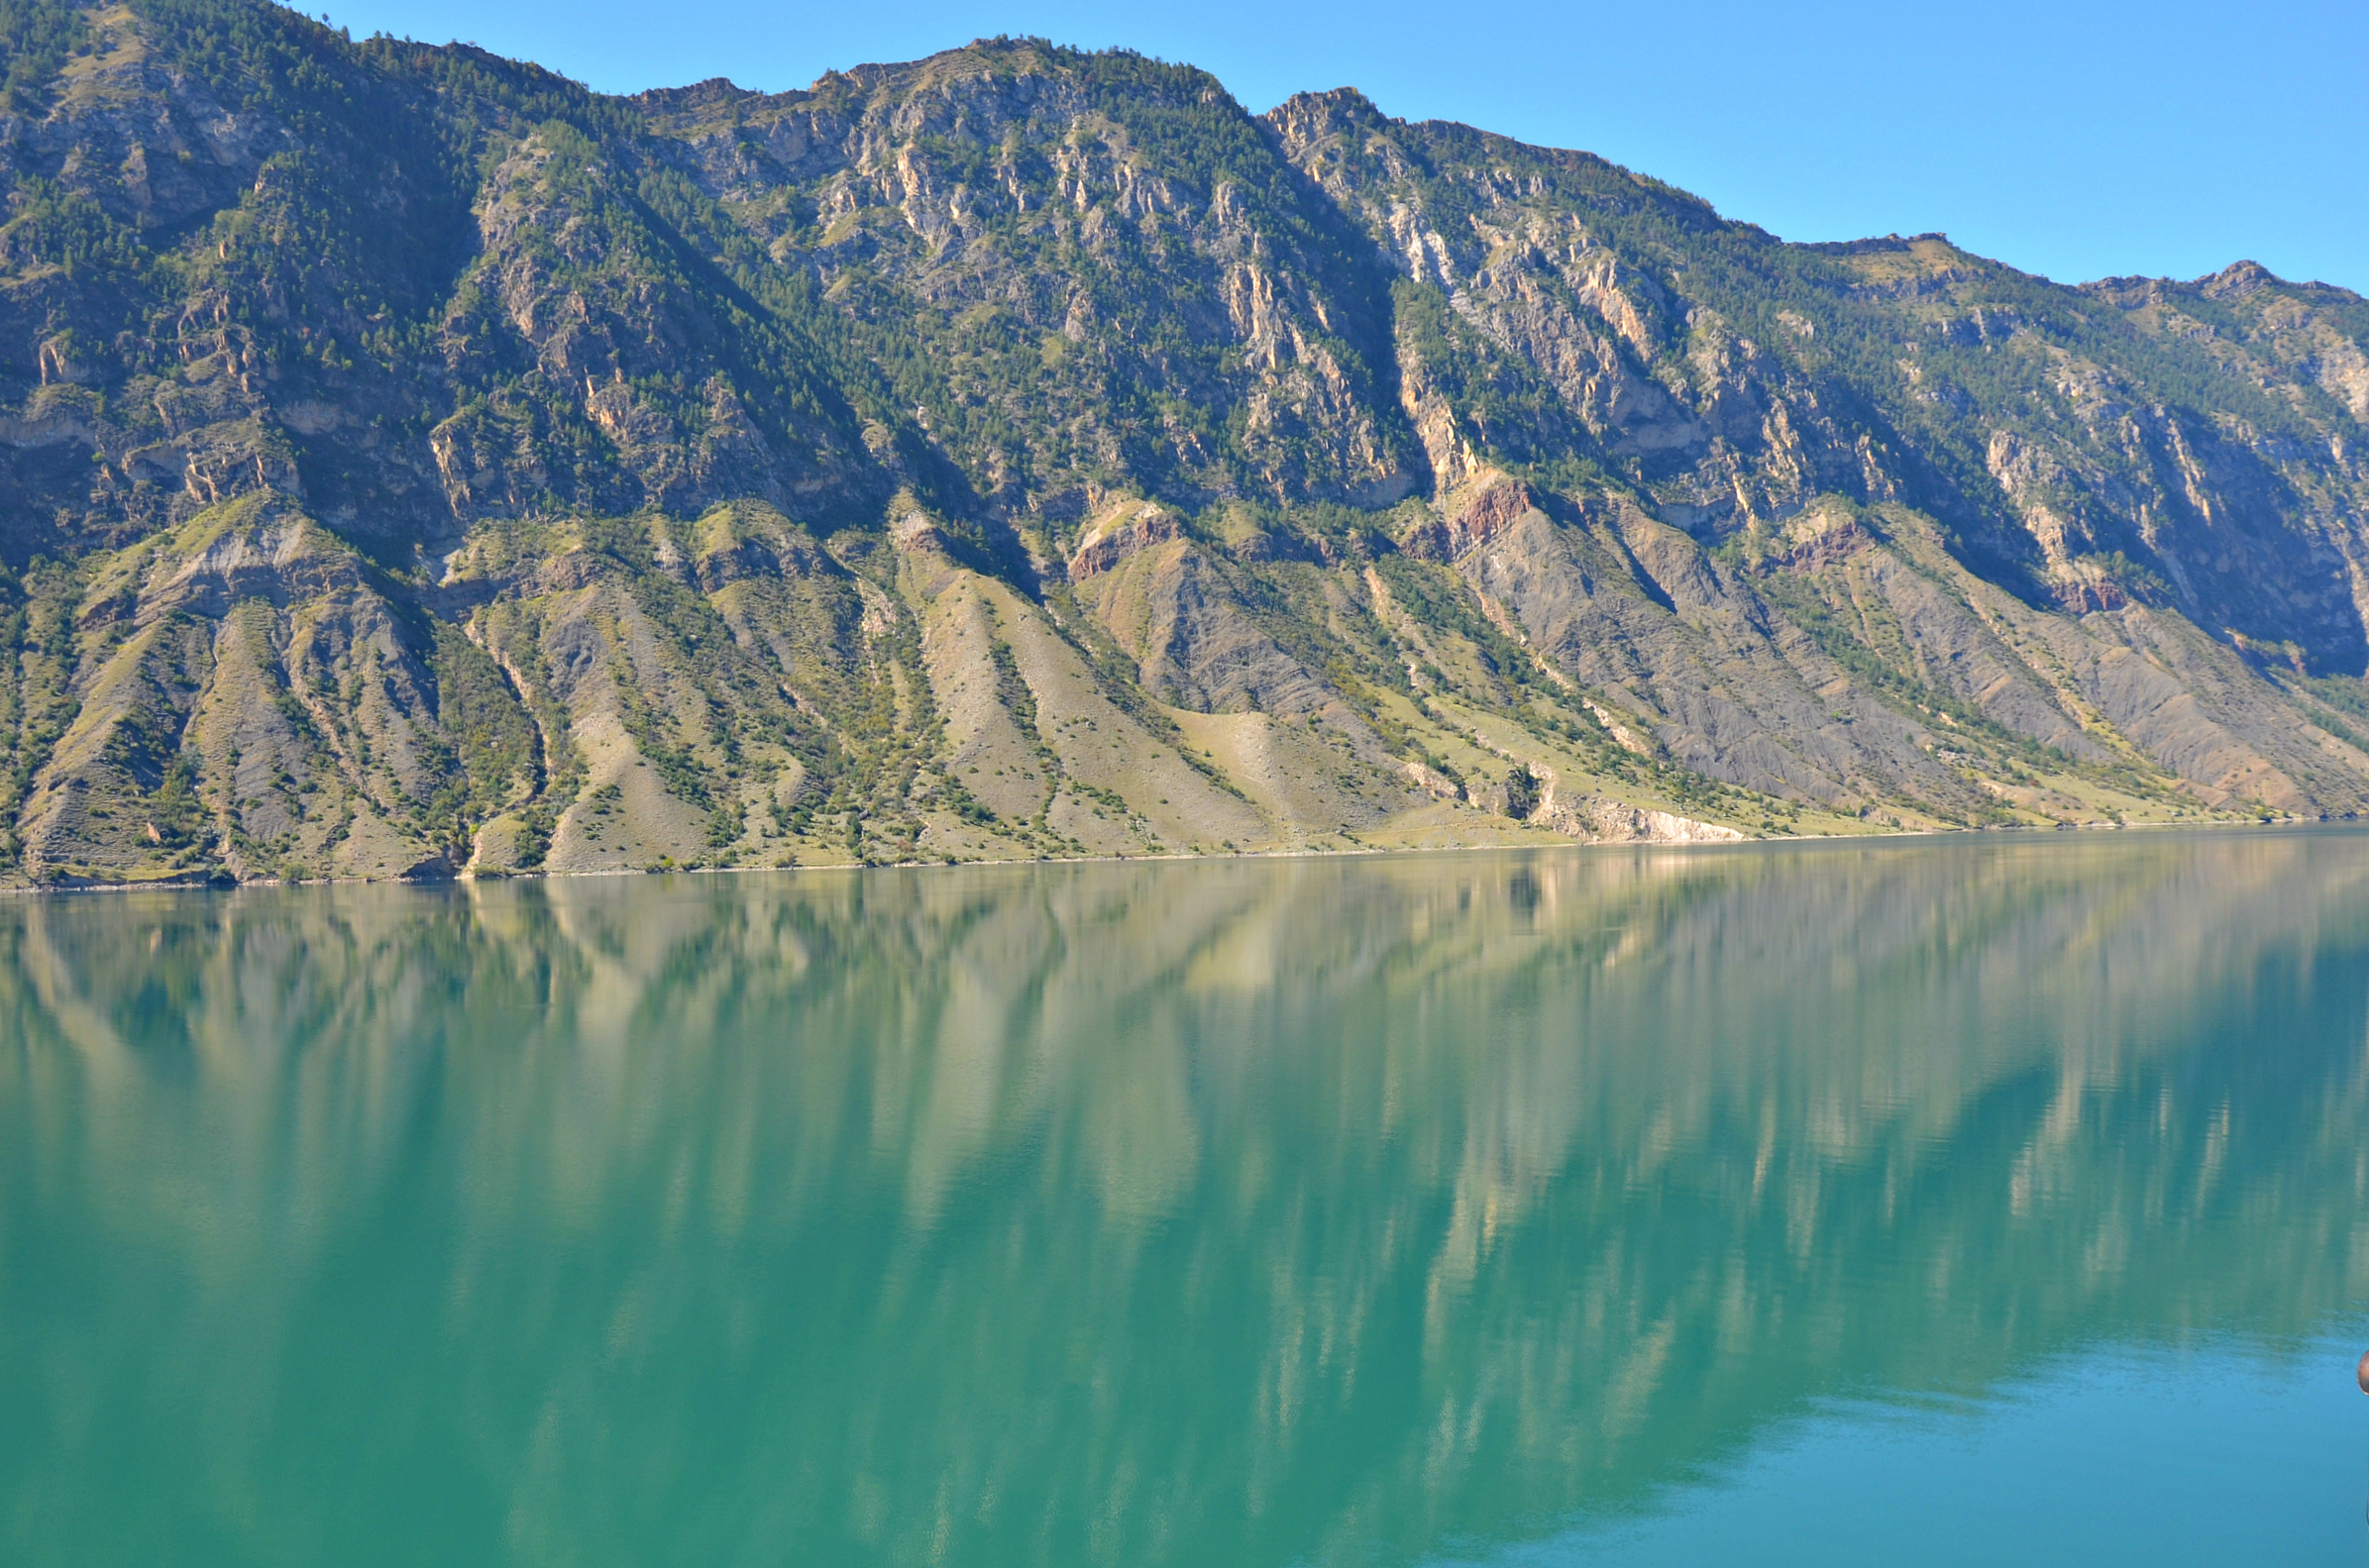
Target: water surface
x: 1939, y: 1201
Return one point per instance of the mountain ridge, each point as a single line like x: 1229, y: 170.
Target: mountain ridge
x: 417, y: 463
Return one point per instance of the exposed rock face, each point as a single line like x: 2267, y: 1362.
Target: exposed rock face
x: 1538, y: 323
x: 1490, y: 506
x: 1604, y: 821
x: 412, y: 464
x: 1127, y: 530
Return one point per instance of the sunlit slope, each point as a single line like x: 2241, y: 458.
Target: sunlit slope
x: 414, y: 463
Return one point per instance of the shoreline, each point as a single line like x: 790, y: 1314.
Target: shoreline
x: 224, y: 884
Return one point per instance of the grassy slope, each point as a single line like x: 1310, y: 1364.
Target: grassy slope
x: 419, y: 463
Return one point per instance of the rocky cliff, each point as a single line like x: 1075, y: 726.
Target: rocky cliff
x: 412, y: 463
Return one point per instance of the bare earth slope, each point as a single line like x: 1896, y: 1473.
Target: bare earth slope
x: 412, y: 464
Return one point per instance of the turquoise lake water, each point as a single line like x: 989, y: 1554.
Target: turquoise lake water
x: 2001, y: 1199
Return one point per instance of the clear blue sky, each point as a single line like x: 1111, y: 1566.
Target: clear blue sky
x: 2072, y: 140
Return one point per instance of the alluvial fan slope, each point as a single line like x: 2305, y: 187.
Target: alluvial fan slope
x: 415, y: 463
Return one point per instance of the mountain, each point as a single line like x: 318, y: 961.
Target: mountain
x: 415, y: 463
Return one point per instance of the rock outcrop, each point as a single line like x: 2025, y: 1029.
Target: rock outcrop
x: 412, y: 464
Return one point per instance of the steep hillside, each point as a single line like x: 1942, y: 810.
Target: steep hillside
x: 414, y: 463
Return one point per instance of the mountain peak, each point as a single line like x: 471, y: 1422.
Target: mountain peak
x: 712, y: 93
x: 1306, y: 116
x: 417, y: 460
x: 2236, y: 280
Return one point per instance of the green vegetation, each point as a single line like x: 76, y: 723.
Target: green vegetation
x: 36, y: 38
x: 443, y: 437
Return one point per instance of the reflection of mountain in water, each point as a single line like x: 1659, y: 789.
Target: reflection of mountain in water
x: 1246, y: 1212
